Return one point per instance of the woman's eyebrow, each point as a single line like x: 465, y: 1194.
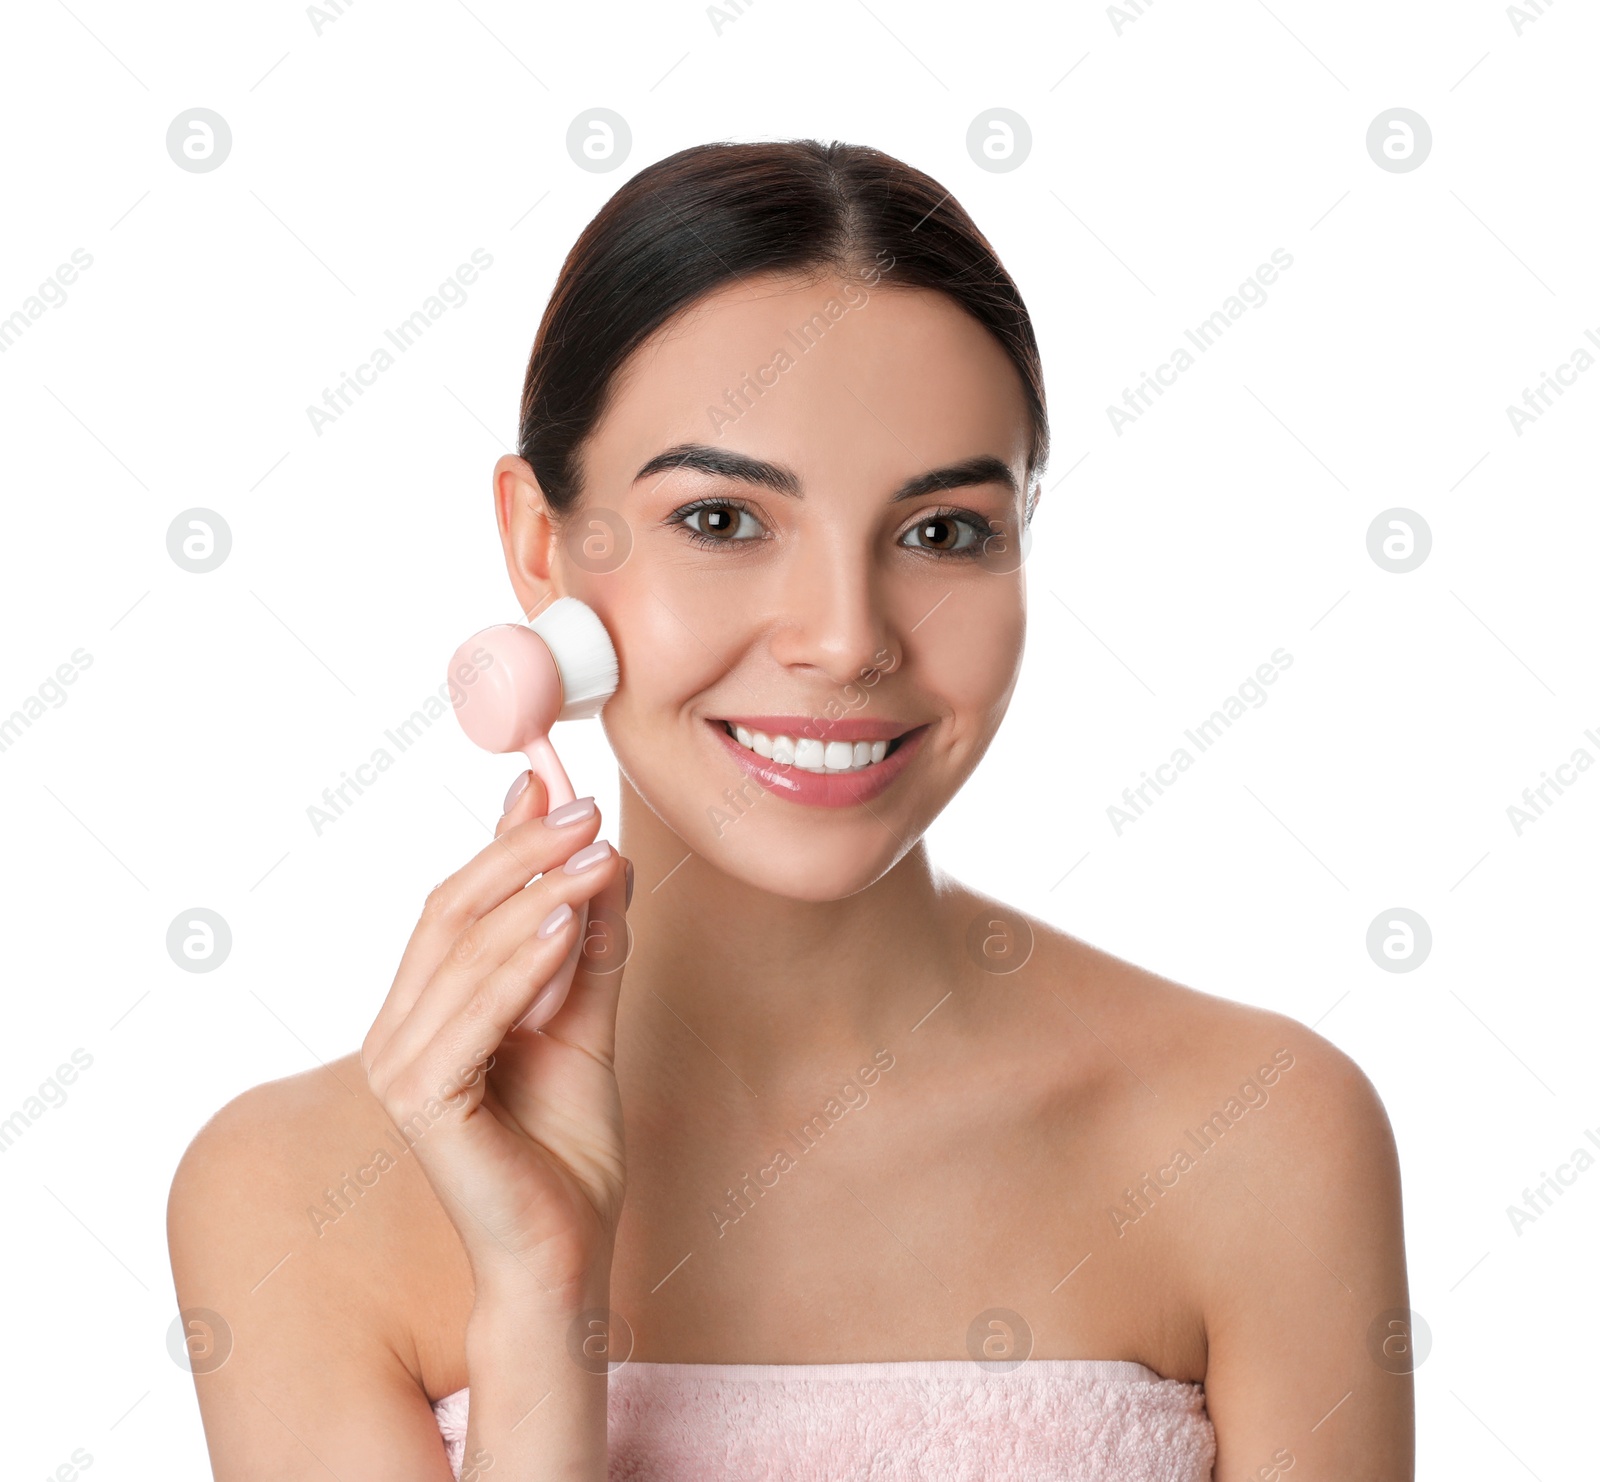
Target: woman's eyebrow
x: 983, y: 468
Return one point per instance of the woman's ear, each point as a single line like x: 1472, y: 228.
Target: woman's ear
x: 527, y: 533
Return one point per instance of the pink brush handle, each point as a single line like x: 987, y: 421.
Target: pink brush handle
x: 546, y: 766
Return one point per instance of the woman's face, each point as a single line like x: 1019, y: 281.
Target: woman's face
x: 762, y: 533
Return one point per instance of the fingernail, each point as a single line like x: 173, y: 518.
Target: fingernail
x: 515, y: 791
x: 574, y: 812
x: 556, y: 920
x: 627, y: 900
x: 587, y: 858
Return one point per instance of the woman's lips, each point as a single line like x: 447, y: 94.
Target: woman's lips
x: 822, y: 789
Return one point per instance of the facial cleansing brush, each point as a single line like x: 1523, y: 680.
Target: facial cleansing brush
x: 524, y: 678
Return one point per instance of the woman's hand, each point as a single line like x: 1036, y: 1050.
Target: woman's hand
x: 508, y: 1098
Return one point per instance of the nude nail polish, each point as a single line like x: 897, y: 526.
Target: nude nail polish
x: 588, y: 858
x: 569, y: 813
x: 555, y: 920
x: 518, y: 786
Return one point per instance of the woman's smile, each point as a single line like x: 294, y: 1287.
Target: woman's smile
x: 828, y: 764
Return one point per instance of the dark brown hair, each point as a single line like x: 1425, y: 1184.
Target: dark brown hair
x: 717, y: 212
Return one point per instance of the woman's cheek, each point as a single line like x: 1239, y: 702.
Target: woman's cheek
x: 973, y: 654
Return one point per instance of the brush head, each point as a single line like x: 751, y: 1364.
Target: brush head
x: 584, y: 656
x: 512, y: 682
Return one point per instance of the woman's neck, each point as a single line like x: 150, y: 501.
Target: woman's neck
x: 777, y: 987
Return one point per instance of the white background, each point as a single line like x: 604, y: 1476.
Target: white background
x: 1167, y: 162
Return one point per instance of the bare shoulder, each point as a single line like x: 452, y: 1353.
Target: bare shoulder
x: 296, y: 1212
x: 1196, y: 1048
x: 1264, y: 1168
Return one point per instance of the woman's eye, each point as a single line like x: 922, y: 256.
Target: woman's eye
x: 721, y: 524
x: 944, y: 534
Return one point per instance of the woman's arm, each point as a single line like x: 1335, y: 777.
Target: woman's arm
x: 485, y: 1119
x: 321, y: 1301
x: 1309, y: 1354
x: 310, y: 1356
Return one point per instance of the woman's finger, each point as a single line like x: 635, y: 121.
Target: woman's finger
x: 525, y: 799
x: 419, y: 1058
x: 465, y: 1030
x: 587, y: 1015
x: 488, y: 944
x: 493, y: 875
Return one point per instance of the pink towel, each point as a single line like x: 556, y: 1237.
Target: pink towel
x: 1048, y: 1420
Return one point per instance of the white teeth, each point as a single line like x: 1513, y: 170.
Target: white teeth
x: 810, y: 754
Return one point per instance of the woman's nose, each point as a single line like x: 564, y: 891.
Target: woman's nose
x: 834, y: 620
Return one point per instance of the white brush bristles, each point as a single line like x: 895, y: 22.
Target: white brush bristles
x: 585, y: 658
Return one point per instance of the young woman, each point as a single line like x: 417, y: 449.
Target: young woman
x: 912, y: 1185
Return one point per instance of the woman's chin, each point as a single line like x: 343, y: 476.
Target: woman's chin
x: 798, y: 864
x: 825, y: 876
